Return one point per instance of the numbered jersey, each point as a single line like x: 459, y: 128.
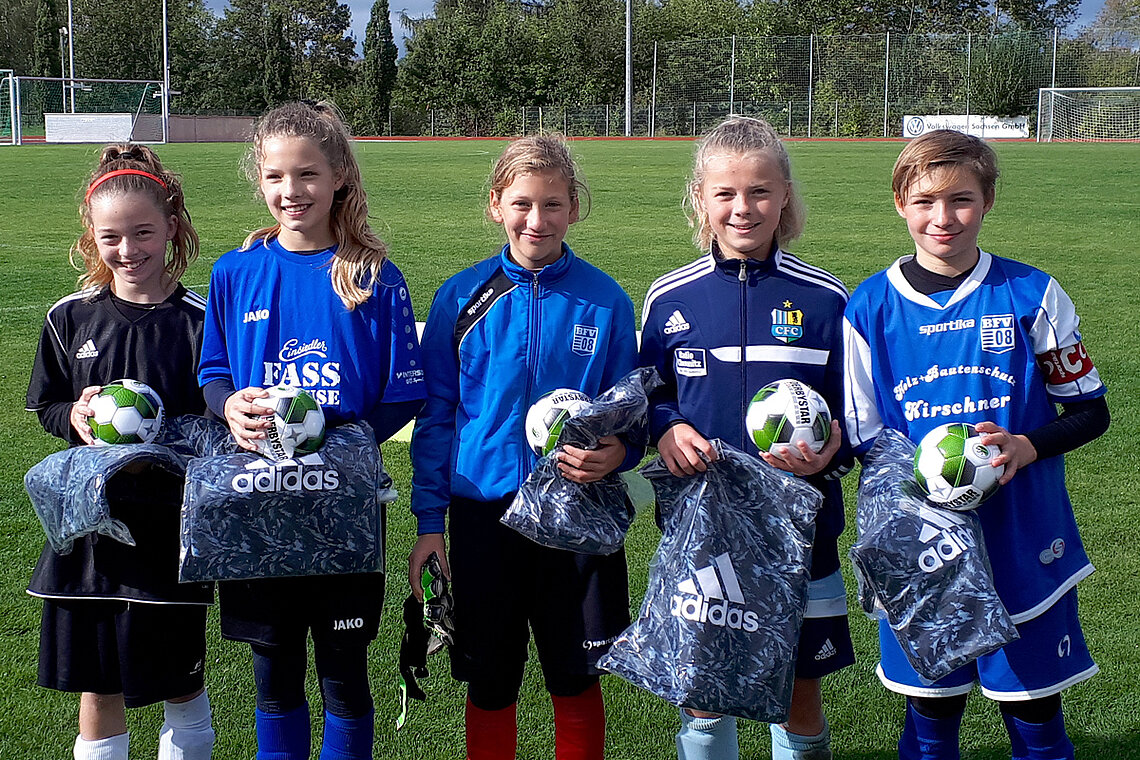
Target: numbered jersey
x: 1003, y: 347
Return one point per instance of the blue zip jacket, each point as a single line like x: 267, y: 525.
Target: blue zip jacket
x: 783, y: 317
x: 497, y: 337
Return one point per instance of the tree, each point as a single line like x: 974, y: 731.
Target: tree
x: 378, y: 74
x: 17, y: 30
x: 45, y: 50
x: 1117, y: 25
x: 278, y: 71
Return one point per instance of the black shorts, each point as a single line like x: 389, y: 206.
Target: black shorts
x: 341, y: 610
x: 506, y: 586
x: 147, y: 652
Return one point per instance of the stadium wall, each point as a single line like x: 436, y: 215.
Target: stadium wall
x: 188, y: 129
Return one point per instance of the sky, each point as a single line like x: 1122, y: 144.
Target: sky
x: 362, y: 9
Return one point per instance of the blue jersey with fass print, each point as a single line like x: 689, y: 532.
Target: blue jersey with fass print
x: 1004, y: 347
x: 272, y: 317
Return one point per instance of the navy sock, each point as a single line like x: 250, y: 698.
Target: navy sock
x: 1039, y: 741
x: 929, y: 738
x: 348, y: 738
x: 283, y: 736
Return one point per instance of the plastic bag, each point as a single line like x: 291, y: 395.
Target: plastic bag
x: 322, y: 514
x: 68, y: 489
x: 727, y: 590
x: 590, y: 518
x: 924, y: 567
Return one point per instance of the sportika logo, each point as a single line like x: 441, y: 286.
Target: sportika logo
x: 676, y: 323
x: 947, y: 537
x: 711, y: 597
x: 307, y: 473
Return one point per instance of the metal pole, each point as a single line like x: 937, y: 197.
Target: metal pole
x: 811, y: 75
x: 886, y: 83
x: 969, y: 78
x: 1053, y: 77
x: 71, y: 51
x: 653, y: 96
x: 732, y: 79
x: 628, y: 67
x: 14, y: 101
x: 165, y: 75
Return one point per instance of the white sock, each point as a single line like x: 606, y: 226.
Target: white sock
x: 111, y: 748
x: 187, y: 733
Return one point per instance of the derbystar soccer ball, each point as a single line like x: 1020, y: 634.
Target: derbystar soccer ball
x: 125, y: 411
x: 954, y: 466
x: 545, y: 418
x: 785, y: 412
x: 298, y: 424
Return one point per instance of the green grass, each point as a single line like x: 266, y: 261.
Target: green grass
x: 1070, y: 209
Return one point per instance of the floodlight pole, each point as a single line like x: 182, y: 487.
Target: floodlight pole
x: 71, y: 51
x: 165, y: 74
x: 628, y: 67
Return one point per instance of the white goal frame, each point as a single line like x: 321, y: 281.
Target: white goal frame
x: 142, y: 106
x: 8, y: 106
x: 1088, y: 114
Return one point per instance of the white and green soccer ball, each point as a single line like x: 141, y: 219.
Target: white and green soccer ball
x: 785, y: 412
x: 298, y: 424
x: 545, y: 418
x: 125, y: 411
x: 955, y: 467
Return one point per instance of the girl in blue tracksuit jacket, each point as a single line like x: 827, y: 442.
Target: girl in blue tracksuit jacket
x: 746, y: 314
x: 499, y: 335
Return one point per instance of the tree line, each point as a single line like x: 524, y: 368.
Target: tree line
x: 482, y: 55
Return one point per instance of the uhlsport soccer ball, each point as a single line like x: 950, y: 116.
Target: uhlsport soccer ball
x: 954, y: 466
x: 298, y: 424
x: 546, y: 417
x: 125, y: 411
x: 785, y: 412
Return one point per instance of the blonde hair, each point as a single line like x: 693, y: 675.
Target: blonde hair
x: 166, y: 195
x: 738, y: 136
x: 945, y: 149
x: 537, y: 153
x: 359, y: 253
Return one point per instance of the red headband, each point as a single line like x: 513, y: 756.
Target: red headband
x: 120, y: 173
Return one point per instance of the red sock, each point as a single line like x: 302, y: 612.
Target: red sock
x: 491, y: 734
x: 580, y: 725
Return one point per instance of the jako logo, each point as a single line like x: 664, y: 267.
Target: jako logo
x: 348, y: 624
x: 949, y: 543
x: 717, y: 582
x: 256, y: 315
x: 290, y: 475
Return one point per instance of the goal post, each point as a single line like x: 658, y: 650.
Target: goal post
x: 8, y: 122
x: 57, y: 110
x: 1088, y: 114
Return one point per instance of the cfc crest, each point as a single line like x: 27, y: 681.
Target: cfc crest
x: 787, y: 323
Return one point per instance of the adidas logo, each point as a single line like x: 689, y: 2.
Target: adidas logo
x: 709, y: 597
x: 676, y: 323
x: 290, y: 475
x: 827, y: 650
x: 949, y: 537
x: 87, y: 350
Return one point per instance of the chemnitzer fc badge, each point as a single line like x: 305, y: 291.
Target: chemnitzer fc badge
x: 787, y: 323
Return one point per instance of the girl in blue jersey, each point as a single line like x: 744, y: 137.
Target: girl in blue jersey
x: 954, y: 334
x: 747, y: 314
x: 311, y: 301
x: 533, y: 318
x: 116, y: 625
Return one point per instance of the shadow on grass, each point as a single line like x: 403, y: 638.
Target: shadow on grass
x: 1123, y: 747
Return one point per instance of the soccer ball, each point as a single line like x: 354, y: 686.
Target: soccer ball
x: 298, y: 424
x: 125, y: 411
x: 785, y: 412
x: 545, y: 418
x: 954, y: 466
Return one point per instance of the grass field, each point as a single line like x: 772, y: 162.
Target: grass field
x: 1073, y: 210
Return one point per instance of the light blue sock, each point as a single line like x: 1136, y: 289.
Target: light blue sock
x: 707, y: 738
x: 789, y: 746
x: 283, y: 736
x: 1039, y: 741
x: 348, y: 738
x: 929, y: 738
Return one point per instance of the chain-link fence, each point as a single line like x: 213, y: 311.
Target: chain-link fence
x: 74, y: 107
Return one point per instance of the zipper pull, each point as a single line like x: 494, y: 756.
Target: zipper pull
x: 743, y: 276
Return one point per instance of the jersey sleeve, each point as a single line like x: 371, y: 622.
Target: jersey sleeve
x: 860, y: 410
x: 215, y: 362
x: 433, y: 438
x: 1068, y: 370
x: 833, y: 392
x: 405, y: 363
x: 664, y: 410
x: 50, y: 391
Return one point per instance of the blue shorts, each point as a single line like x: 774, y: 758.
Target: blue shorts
x: 1050, y: 656
x: 825, y: 638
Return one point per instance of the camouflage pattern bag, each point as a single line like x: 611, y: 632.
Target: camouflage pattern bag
x: 589, y: 518
x: 321, y: 514
x: 923, y: 567
x: 728, y: 587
